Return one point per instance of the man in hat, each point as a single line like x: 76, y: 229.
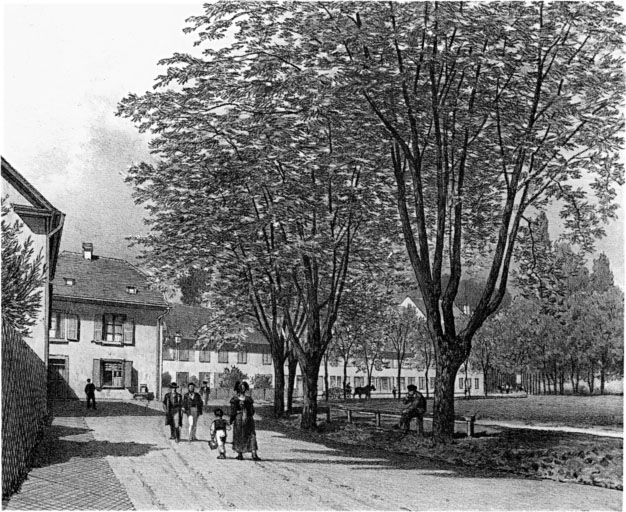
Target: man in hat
x: 416, y: 408
x: 192, y: 407
x: 173, y: 406
x: 90, y: 391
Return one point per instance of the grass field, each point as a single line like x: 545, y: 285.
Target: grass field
x: 558, y: 410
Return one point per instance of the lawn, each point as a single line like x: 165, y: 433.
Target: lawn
x: 561, y: 456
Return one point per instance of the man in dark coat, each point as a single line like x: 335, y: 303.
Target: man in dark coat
x: 416, y: 409
x: 173, y: 407
x: 205, y: 394
x: 90, y: 391
x: 192, y: 407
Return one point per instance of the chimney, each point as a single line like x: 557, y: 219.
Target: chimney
x: 87, y: 250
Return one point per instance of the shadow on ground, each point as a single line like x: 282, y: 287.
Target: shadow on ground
x: 78, y: 409
x: 354, y: 457
x: 62, y: 443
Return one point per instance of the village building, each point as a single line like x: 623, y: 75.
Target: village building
x: 105, y: 325
x: 43, y: 224
x: 185, y: 360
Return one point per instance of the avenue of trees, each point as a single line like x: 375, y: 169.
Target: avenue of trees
x: 307, y: 136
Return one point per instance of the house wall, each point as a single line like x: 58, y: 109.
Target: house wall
x: 81, y: 353
x: 38, y: 332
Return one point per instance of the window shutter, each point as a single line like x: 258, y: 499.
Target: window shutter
x: 72, y: 327
x: 97, y: 328
x: 61, y: 332
x: 96, y: 373
x: 129, y: 331
x: 128, y: 374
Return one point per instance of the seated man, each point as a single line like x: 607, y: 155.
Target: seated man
x: 416, y: 409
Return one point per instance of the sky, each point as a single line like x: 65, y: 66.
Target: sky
x: 66, y: 66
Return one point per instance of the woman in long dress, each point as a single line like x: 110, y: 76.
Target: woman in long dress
x: 242, y: 419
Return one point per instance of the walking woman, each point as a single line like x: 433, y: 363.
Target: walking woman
x: 241, y: 417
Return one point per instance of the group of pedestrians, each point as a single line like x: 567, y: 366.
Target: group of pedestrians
x: 192, y: 405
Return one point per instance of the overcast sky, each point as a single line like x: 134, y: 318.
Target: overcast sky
x: 66, y: 66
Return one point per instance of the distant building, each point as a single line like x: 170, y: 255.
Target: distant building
x: 105, y: 325
x: 43, y: 223
x: 184, y: 361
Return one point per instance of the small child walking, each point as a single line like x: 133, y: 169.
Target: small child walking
x: 218, y: 432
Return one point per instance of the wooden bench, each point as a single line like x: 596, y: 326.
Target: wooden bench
x: 469, y: 421
x: 321, y: 409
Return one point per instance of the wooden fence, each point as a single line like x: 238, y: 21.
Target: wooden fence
x: 25, y: 410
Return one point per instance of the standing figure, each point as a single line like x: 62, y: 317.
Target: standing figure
x: 394, y: 391
x: 173, y: 407
x: 218, y: 432
x: 90, y: 391
x: 348, y: 389
x: 192, y: 407
x: 416, y: 409
x: 241, y: 417
x: 205, y: 394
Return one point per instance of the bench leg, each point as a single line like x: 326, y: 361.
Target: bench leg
x: 470, y: 428
x: 328, y: 415
x: 349, y: 416
x: 377, y: 419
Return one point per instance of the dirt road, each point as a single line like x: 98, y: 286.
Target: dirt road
x: 296, y: 474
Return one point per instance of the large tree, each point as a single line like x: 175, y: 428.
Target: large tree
x: 484, y: 111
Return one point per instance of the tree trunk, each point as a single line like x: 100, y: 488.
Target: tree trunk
x: 602, y: 377
x: 309, y: 409
x: 326, y: 377
x: 426, y: 379
x: 292, y: 365
x: 443, y: 409
x: 399, y: 374
x: 279, y: 390
x: 345, y: 377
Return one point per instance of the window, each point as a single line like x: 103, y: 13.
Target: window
x: 384, y: 381
x: 205, y: 356
x: 205, y: 376
x: 411, y: 380
x: 169, y: 354
x: 112, y: 373
x: 402, y: 383
x: 422, y: 383
x: 64, y: 326
x: 394, y: 363
x: 183, y: 350
x: 432, y: 382
x: 114, y: 329
x: 267, y: 357
x: 358, y: 382
x: 242, y: 356
x: 182, y: 379
x: 222, y: 356
x: 461, y: 383
x: 476, y: 383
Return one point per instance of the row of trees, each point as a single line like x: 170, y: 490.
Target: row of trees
x: 567, y: 325
x: 308, y: 140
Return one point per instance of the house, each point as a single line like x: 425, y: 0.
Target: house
x: 184, y: 361
x: 43, y: 223
x: 105, y: 325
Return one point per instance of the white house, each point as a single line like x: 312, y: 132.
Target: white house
x: 105, y: 325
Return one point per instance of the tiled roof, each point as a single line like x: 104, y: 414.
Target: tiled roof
x: 186, y: 320
x: 103, y: 279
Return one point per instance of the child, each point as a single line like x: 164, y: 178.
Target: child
x: 218, y: 432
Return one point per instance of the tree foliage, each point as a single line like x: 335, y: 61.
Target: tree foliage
x: 22, y: 276
x: 476, y: 113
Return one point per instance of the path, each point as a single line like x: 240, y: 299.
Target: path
x: 295, y: 474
